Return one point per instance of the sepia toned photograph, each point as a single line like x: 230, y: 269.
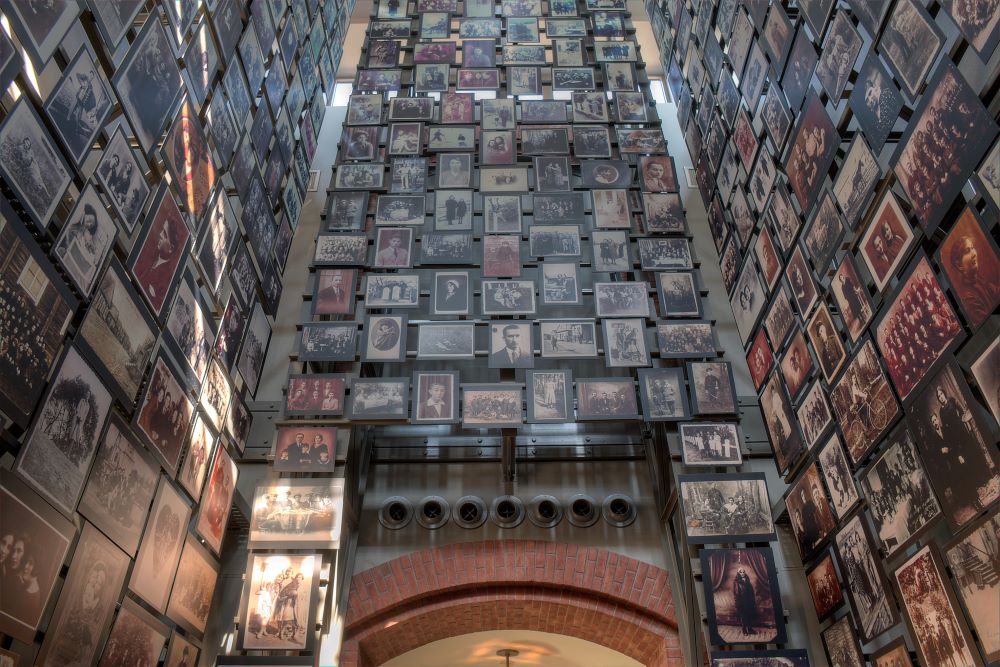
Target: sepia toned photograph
x: 811, y: 518
x: 194, y: 585
x: 971, y: 558
x: 871, y: 601
x: 501, y: 255
x: 502, y: 214
x: 435, y: 399
x: 156, y: 257
x: 970, y: 261
x: 392, y: 290
x: 452, y: 295
x: 123, y: 178
x: 566, y: 207
x: 824, y: 587
x: 79, y: 104
x: 841, y: 643
x: 137, y: 637
x: 826, y: 342
x: 297, y: 513
x: 605, y: 174
x: 503, y: 179
x: 726, y: 508
x: 986, y: 371
x: 622, y: 299
x: 611, y: 251
x: 254, y: 349
x: 814, y: 414
x: 760, y: 359
x: 863, y: 402
x: 552, y: 174
x: 747, y: 301
x: 686, y: 339
x: 375, y: 399
x: 837, y: 475
x: 782, y: 427
x: 560, y: 283
x: 550, y: 396
x: 659, y: 253
x: 591, y: 141
x: 508, y: 297
x: 280, y: 596
x: 875, y: 101
x: 814, y: 144
x: 315, y: 394
x: 708, y: 444
x: 852, y: 299
x: 840, y: 51
x: 181, y: 652
x: 712, y: 389
x: 784, y: 658
x: 664, y: 396
x: 893, y: 654
x: 334, y: 292
x: 664, y: 213
x: 625, y: 343
x: 855, y: 183
x: 611, y: 209
x: 511, y: 345
x: 568, y: 339
x: 678, y: 294
x: 606, y: 399
x: 887, y: 241
x: 213, y: 513
x: 823, y: 233
x: 161, y: 545
x: 491, y: 405
x: 393, y: 248
x: 910, y: 42
x: 305, y: 448
x: 742, y: 600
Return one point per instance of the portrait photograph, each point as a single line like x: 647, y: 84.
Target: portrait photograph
x: 800, y: 280
x: 743, y: 603
x: 560, y: 283
x: 967, y: 556
x: 605, y: 174
x: 886, y: 242
x: 910, y: 42
x: 707, y: 444
x: 491, y: 405
x: 852, y: 299
x: 550, y: 396
x: 479, y: 53
x: 161, y: 546
x: 591, y: 141
x: 511, y: 345
x: 544, y: 111
x: 364, y: 109
x: 678, y: 340
x: 446, y: 248
x: 35, y: 540
x: 297, y: 513
x: 341, y: 249
x: 782, y: 426
x: 606, y: 399
x: 930, y: 608
x: 353, y: 176
x: 825, y: 342
x: 393, y: 248
x: 149, y: 83
x: 841, y: 643
x: 554, y: 241
x: 774, y: 112
x: 305, y: 448
x: 814, y: 144
x: 954, y: 443
x: 664, y: 395
x: 456, y: 107
x: 280, y: 595
x: 315, y: 394
x: 611, y: 209
x: 811, y: 518
x: 254, y: 349
x: 136, y: 636
x: 986, y: 371
x: 408, y: 175
x: 385, y: 80
x: 79, y: 104
x: 213, y: 514
x: 552, y: 174
x: 181, y: 651
x: 508, y: 297
x: 970, y: 261
x: 502, y: 214
x: 156, y: 257
x: 760, y: 359
x: 951, y: 126
x: 501, y: 255
x: 346, y: 211
x: 359, y: 143
x: 376, y: 399
x: 189, y: 159
x: 123, y: 178
x: 216, y: 394
x: 747, y: 301
x: 435, y: 399
x: 712, y: 388
x: 824, y: 586
x: 453, y: 210
x: 726, y: 508
x: 385, y: 338
x: 768, y: 258
x: 194, y: 584
x: 622, y: 299
x: 875, y: 101
x: 412, y: 108
x: 568, y: 339
x: 664, y: 213
x: 863, y: 402
x: 565, y: 207
x: 477, y: 79
x: 451, y: 293
x: 823, y: 233
x: 657, y: 174
x: 334, y: 292
x: 611, y: 251
x: 625, y: 343
x: 916, y: 327
x: 813, y: 414
x: 874, y: 609
x: 165, y: 413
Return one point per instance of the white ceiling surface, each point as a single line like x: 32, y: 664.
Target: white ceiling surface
x: 363, y: 8
x: 537, y: 649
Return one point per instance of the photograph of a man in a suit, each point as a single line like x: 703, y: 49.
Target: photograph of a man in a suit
x: 512, y: 347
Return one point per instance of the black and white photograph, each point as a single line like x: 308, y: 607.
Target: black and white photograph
x: 79, y: 104
x: 852, y: 298
x: 566, y: 207
x: 871, y: 599
x: 826, y: 342
x: 364, y: 109
x: 341, y: 249
x: 782, y: 427
x: 712, y: 388
x: 663, y: 393
x: 664, y: 213
x: 554, y: 241
x: 814, y: 144
x: 404, y: 138
x: 544, y: 111
x: 726, y: 508
x: 910, y: 42
x: 392, y: 290
x: 314, y: 394
x: 123, y: 178
x: 801, y: 282
x: 591, y: 141
x: 611, y: 251
x: 31, y: 163
x: 503, y: 179
x: 408, y: 175
x: 748, y: 301
x: 708, y: 444
x: 622, y: 299
x: 360, y: 142
x: 156, y: 257
x: 393, y: 248
x: 611, y: 209
x: 453, y: 210
x: 678, y: 340
x: 194, y: 584
x: 453, y: 139
x: 625, y: 343
x: 552, y: 174
x: 354, y: 176
x: 435, y: 397
x: 400, y: 210
x: 165, y: 413
x: 605, y: 173
x: 511, y: 345
x: 971, y: 557
x: 837, y: 475
x: 446, y: 248
x: 863, y: 402
x: 875, y: 101
x: 160, y: 548
x: 451, y: 293
x: 35, y: 540
x: 742, y: 600
x: 379, y: 399
x: 491, y: 405
x: 280, y: 600
x: 317, y: 525
x: 508, y: 297
x: 501, y: 255
x: 986, y: 371
x: 606, y: 399
x: 189, y: 331
x: 568, y: 339
x: 41, y: 27
x: 550, y: 396
x: 385, y: 338
x: 560, y: 283
x: 843, y: 43
x: 811, y: 518
x: 524, y: 80
x: 855, y: 183
x: 814, y: 414
x: 411, y: 108
x: 658, y: 254
x: 502, y: 214
x: 254, y: 349
x: 840, y: 639
x: 219, y: 234
x: 823, y: 233
x: 137, y: 637
x: 631, y: 107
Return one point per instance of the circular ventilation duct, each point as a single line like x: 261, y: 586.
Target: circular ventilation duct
x: 470, y: 512
x: 508, y: 511
x: 582, y: 510
x: 433, y: 512
x: 395, y: 512
x: 545, y: 511
x: 619, y: 510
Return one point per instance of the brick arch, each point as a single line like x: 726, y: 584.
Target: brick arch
x: 586, y: 592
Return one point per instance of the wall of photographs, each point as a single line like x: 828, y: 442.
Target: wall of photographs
x: 154, y: 161
x: 847, y: 155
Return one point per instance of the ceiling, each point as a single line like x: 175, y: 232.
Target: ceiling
x: 537, y: 649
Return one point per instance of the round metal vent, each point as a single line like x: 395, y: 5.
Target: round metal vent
x: 545, y: 511
x: 470, y: 512
x: 395, y: 512
x: 619, y: 510
x: 433, y: 512
x: 508, y: 511
x: 582, y: 510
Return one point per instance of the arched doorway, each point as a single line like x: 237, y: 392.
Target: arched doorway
x: 604, y: 597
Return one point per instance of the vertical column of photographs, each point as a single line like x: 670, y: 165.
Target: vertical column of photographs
x: 123, y: 395
x: 849, y: 166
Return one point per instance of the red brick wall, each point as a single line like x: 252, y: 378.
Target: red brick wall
x: 584, y: 592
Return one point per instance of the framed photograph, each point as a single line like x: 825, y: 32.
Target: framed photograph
x: 156, y: 257
x: 560, y: 283
x: 985, y: 371
x: 161, y: 546
x: 837, y: 475
x: 568, y: 339
x: 775, y: 115
x: 135, y: 636
x: 544, y: 111
x: 213, y: 514
x: 625, y: 343
x: 385, y: 338
x: 149, y: 83
x: 893, y: 654
x: 679, y: 340
x: 565, y: 207
x: 393, y: 248
x: 792, y: 658
x: 81, y: 80
x: 706, y: 444
x: 38, y: 539
x: 952, y: 126
x: 503, y: 179
x: 479, y: 53
x: 964, y: 556
x: 412, y: 108
x: 742, y: 600
x: 189, y: 331
x: 451, y: 295
x: 181, y: 651
x: 508, y: 297
x: 970, y: 260
x: 664, y: 213
x: 435, y: 398
x: 650, y: 140
x: 873, y: 608
x: 605, y: 174
x: 346, y: 211
x: 502, y: 214
x: 379, y: 80
x: 806, y: 166
x: 254, y: 349
x: 824, y: 586
x: 501, y: 255
x: 760, y: 359
x: 748, y: 301
x: 712, y: 387
x: 522, y: 80
x: 843, y: 43
x: 931, y: 612
x: 657, y: 253
x: 497, y: 147
x: 606, y: 399
x: 188, y: 157
x: 554, y: 241
x: 408, y: 175
x: 591, y: 141
x: 782, y: 427
x: 552, y: 174
x: 194, y: 586
x: 293, y: 581
x: 315, y: 394
x: 341, y: 249
x: 875, y: 101
x: 165, y: 413
x: 573, y: 78
x: 611, y: 211
x: 121, y: 174
x: 453, y: 210
x: 726, y: 508
x: 359, y: 142
x: 811, y: 518
x: 910, y: 42
x: 379, y: 399
x: 455, y: 172
x: 446, y: 340
x: 550, y: 396
x: 800, y: 280
x: 622, y: 299
x: 511, y: 345
x: 404, y: 138
x: 664, y: 396
x: 631, y: 107
x: 477, y: 79
x: 863, y: 402
x: 823, y: 234
x: 491, y: 405
x: 841, y: 640
x: 359, y: 176
x: 814, y: 414
x: 317, y: 527
x: 852, y: 299
x: 544, y: 141
x: 305, y: 448
x: 392, y: 290
x: 333, y: 293
x: 886, y: 242
x: 446, y: 248
x: 779, y: 320
x: 855, y: 184
x: 364, y: 109
x: 826, y: 342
